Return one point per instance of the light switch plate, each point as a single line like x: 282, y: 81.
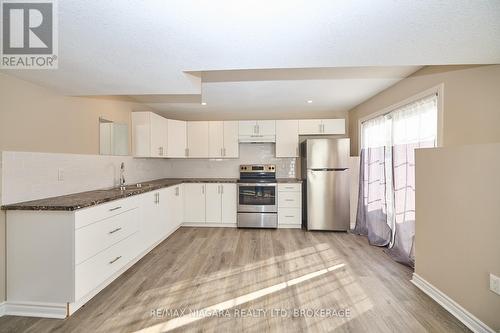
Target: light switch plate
x: 495, y: 283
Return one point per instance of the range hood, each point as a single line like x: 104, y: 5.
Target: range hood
x: 257, y: 138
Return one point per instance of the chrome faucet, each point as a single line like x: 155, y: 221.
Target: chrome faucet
x: 122, y: 176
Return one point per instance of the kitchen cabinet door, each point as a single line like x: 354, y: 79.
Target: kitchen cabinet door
x: 229, y: 203
x: 266, y: 127
x: 159, y: 130
x: 213, y: 200
x: 310, y: 126
x: 194, y: 202
x: 247, y: 127
x: 150, y: 219
x: 163, y: 218
x: 333, y: 126
x: 287, y: 138
x: 176, y: 141
x: 215, y: 139
x: 197, y: 139
x: 231, y: 144
x: 177, y: 205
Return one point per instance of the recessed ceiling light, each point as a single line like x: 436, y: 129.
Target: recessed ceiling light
x: 203, y: 103
x: 309, y: 101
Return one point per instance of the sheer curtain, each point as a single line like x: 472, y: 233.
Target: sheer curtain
x: 373, y: 215
x: 395, y: 135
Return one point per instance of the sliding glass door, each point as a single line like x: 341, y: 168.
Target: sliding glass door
x: 386, y: 206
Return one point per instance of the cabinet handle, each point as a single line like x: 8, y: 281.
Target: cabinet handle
x: 222, y: 189
x: 258, y: 129
x: 290, y: 216
x: 116, y: 208
x: 289, y: 200
x: 218, y: 189
x: 115, y: 230
x: 224, y: 151
x: 158, y: 194
x: 115, y: 260
x: 203, y: 189
x: 187, y: 152
x: 176, y: 191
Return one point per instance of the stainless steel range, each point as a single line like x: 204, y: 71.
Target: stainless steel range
x: 257, y: 197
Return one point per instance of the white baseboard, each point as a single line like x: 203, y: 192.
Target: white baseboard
x: 289, y: 226
x: 2, y: 309
x: 209, y: 225
x: 467, y: 318
x: 30, y: 309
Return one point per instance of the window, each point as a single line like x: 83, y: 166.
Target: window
x: 386, y: 205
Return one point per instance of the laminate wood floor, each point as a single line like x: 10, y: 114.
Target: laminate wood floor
x: 251, y: 281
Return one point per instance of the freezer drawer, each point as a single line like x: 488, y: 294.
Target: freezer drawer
x: 327, y: 206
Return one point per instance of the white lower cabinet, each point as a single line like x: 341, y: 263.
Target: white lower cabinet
x: 58, y: 260
x: 290, y: 205
x: 213, y: 203
x: 210, y: 203
x: 229, y: 203
x: 194, y: 202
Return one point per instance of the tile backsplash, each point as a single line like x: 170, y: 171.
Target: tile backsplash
x: 250, y: 153
x: 30, y: 176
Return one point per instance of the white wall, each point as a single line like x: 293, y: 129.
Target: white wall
x: 31, y: 176
x: 250, y: 153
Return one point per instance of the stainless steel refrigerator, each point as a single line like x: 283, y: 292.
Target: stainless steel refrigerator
x: 325, y: 174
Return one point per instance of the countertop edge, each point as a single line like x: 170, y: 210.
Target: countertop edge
x: 24, y: 206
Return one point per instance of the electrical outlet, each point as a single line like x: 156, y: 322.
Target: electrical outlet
x: 495, y: 284
x: 60, y: 174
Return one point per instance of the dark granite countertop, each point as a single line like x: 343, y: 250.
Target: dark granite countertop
x: 81, y: 200
x: 289, y: 180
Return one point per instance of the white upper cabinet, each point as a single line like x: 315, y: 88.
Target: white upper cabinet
x: 333, y: 126
x: 310, y: 126
x: 247, y: 127
x: 231, y: 144
x: 287, y: 138
x: 223, y: 139
x: 149, y: 135
x: 158, y: 136
x: 197, y: 139
x: 177, y: 138
x: 257, y: 131
x: 266, y: 127
x: 215, y: 139
x: 321, y: 126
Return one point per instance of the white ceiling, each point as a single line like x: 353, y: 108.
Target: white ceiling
x: 282, y: 91
x: 157, y: 47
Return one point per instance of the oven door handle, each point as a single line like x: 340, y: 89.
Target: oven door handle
x: 258, y: 184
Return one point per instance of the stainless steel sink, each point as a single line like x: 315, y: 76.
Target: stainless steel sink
x: 133, y: 187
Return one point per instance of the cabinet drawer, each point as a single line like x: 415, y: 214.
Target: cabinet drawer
x: 290, y: 216
x: 100, y: 212
x: 290, y: 187
x: 93, y: 272
x: 100, y: 235
x: 289, y: 199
